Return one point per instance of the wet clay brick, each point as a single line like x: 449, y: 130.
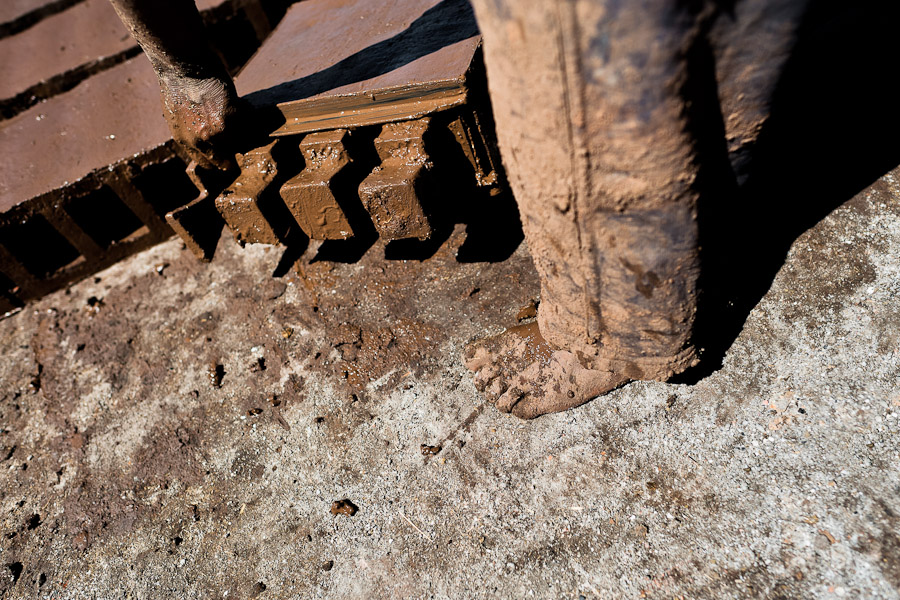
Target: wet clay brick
x: 312, y: 196
x: 60, y: 43
x: 113, y: 115
x: 391, y: 192
x: 10, y: 10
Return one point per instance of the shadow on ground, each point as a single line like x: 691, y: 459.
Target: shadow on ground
x: 832, y: 132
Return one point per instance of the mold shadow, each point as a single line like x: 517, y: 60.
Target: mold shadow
x: 832, y: 132
x: 452, y: 196
x: 295, y: 244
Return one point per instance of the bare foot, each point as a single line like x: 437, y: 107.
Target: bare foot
x: 524, y: 375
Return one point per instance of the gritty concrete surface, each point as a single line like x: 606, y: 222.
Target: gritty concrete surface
x: 178, y: 430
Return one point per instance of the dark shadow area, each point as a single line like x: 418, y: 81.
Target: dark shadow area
x: 493, y: 223
x: 495, y: 232
x: 832, y: 132
x: 295, y: 244
x: 165, y: 185
x: 103, y: 217
x: 444, y: 24
x: 41, y: 260
x: 345, y: 187
x: 452, y: 195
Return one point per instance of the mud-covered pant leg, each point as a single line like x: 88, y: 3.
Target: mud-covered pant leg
x: 593, y: 133
x: 751, y: 44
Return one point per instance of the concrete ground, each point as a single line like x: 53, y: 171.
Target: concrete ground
x: 172, y: 429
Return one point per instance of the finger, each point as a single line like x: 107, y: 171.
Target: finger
x: 198, y: 157
x: 215, y: 154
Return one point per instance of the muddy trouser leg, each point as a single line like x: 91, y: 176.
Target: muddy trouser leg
x: 591, y: 126
x: 751, y: 45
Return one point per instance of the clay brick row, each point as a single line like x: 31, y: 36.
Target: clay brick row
x: 66, y: 47
x: 10, y: 10
x: 19, y: 15
x: 89, y: 175
x: 87, y: 32
x: 87, y: 179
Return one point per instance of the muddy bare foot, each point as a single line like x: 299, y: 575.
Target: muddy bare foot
x: 520, y: 372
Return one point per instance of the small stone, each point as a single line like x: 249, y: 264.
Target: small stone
x: 529, y: 311
x: 327, y: 565
x: 215, y: 372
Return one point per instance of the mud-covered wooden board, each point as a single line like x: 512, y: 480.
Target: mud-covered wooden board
x: 341, y: 63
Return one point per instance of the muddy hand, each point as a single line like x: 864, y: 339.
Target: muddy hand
x: 203, y: 115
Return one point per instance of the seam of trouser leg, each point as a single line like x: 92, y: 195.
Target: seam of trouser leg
x: 574, y: 103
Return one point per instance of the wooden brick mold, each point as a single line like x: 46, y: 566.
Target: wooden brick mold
x: 372, y: 95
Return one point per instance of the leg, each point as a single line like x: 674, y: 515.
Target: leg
x: 751, y: 45
x: 592, y: 130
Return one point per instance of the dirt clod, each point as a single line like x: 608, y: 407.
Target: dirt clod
x: 430, y: 450
x: 15, y: 569
x: 94, y: 304
x: 529, y: 311
x: 34, y: 386
x: 343, y: 507
x: 216, y: 373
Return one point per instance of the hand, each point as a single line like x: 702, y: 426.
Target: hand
x: 203, y: 116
